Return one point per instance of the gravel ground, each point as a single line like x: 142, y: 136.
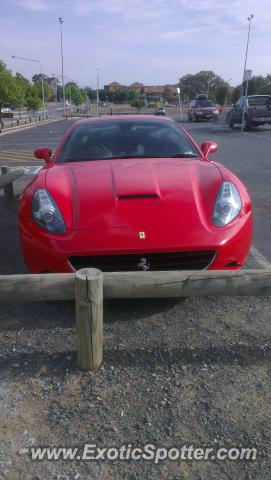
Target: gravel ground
x: 175, y: 372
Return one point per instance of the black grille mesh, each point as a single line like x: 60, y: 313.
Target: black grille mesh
x: 188, y: 260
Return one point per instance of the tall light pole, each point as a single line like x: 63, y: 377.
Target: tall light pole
x: 62, y: 65
x: 42, y: 84
x: 97, y: 96
x: 248, y: 35
x: 250, y: 18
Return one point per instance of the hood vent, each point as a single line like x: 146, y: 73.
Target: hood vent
x: 134, y: 197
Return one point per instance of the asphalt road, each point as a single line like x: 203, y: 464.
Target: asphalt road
x: 246, y: 154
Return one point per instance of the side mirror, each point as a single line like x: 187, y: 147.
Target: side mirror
x: 43, y: 153
x: 208, y: 147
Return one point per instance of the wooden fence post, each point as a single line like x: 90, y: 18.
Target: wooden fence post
x: 89, y: 318
x: 8, y: 189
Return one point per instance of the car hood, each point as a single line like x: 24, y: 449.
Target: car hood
x: 141, y: 192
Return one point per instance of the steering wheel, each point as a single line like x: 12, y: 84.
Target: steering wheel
x: 101, y: 146
x: 101, y: 149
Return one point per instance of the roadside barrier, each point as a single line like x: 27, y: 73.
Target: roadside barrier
x: 89, y: 286
x: 7, y: 178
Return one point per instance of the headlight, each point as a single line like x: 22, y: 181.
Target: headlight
x: 227, y: 206
x: 46, y: 213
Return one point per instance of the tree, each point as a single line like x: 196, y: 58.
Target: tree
x: 133, y: 95
x: 90, y: 93
x: 77, y: 94
x: 38, y: 76
x: 6, y: 87
x: 221, y: 94
x: 137, y: 103
x: 22, y: 90
x: 37, y: 90
x: 259, y: 85
x: 168, y: 96
x: 201, y: 82
x: 83, y: 93
x: 33, y: 103
x: 236, y: 93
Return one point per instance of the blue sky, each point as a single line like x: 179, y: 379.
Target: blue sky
x: 151, y: 41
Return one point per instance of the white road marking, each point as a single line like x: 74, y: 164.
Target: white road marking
x: 28, y: 170
x: 260, y: 259
x: 31, y: 170
x: 257, y: 135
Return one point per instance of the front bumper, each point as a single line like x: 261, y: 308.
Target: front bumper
x: 44, y: 252
x: 207, y: 116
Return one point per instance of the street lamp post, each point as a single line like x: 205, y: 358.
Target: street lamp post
x: 97, y: 95
x: 250, y: 18
x: 42, y: 83
x: 180, y: 102
x: 62, y: 65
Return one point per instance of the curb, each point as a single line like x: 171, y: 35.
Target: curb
x: 18, y: 128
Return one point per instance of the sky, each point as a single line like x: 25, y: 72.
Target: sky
x: 154, y: 42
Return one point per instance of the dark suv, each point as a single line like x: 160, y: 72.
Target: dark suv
x: 202, y: 109
x: 257, y: 109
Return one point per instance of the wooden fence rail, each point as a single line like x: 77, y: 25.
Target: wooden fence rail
x: 89, y: 286
x: 7, y: 178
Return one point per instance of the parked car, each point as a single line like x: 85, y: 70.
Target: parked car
x: 202, y: 109
x: 133, y: 193
x: 257, y: 110
x: 160, y: 111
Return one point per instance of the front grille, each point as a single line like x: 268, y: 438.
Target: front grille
x: 191, y: 260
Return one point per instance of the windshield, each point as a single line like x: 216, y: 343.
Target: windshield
x: 204, y: 103
x: 104, y: 140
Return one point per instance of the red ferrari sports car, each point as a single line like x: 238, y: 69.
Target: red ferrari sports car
x: 133, y: 193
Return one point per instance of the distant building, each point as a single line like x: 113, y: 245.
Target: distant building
x: 150, y: 93
x: 136, y: 86
x: 113, y: 86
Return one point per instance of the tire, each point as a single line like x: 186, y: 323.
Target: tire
x: 196, y: 118
x: 247, y: 123
x: 189, y: 119
x: 231, y: 124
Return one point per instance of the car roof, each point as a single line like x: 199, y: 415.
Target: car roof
x: 263, y: 95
